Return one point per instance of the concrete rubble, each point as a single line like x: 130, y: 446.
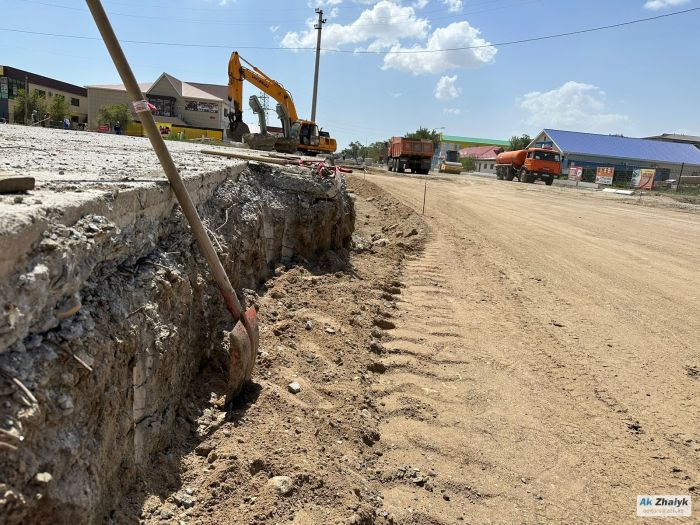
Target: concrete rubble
x: 107, y: 309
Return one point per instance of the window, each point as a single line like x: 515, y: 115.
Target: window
x: 491, y: 166
x: 75, y: 102
x: 165, y: 106
x: 75, y: 119
x: 14, y: 86
x: 41, y: 93
x: 546, y: 155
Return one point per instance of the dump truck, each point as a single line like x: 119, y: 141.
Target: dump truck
x: 450, y: 163
x: 529, y: 165
x: 409, y: 154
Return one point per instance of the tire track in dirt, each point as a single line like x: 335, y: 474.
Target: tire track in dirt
x: 544, y: 406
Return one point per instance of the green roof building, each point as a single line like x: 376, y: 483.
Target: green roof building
x: 456, y: 143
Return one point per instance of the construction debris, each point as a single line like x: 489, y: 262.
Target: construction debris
x: 14, y: 184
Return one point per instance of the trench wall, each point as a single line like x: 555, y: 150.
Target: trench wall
x: 107, y: 312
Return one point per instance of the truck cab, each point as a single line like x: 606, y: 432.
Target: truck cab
x: 542, y: 163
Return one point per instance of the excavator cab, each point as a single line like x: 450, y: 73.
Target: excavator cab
x: 306, y: 133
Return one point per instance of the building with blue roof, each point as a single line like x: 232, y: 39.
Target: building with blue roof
x: 590, y: 151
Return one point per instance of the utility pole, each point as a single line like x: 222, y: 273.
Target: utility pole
x: 26, y: 100
x: 318, y: 27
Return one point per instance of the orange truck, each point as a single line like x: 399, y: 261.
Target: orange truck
x: 412, y: 154
x: 529, y: 165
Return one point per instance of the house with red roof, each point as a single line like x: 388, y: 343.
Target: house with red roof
x: 484, y: 157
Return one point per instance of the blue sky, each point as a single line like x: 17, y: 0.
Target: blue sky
x: 637, y: 80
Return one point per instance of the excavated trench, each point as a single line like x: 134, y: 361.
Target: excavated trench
x: 107, y: 317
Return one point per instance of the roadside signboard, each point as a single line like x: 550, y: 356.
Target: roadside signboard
x: 165, y: 128
x: 604, y: 176
x: 576, y: 173
x: 644, y: 179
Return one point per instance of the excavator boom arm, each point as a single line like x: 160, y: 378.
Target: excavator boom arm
x: 237, y: 73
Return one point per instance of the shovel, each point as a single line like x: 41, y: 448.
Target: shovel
x: 243, y: 340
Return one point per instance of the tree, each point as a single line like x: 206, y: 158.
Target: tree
x: 36, y: 101
x: 425, y: 133
x: 59, y: 108
x: 521, y: 142
x: 112, y: 113
x: 468, y: 163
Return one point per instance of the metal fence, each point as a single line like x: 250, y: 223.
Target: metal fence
x: 684, y: 180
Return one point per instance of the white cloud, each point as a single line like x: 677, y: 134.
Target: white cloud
x: 396, y: 95
x: 656, y: 5
x: 453, y: 6
x: 457, y: 34
x: 452, y: 111
x: 383, y: 26
x: 446, y: 88
x: 323, y: 3
x: 273, y: 29
x: 420, y: 4
x: 574, y: 105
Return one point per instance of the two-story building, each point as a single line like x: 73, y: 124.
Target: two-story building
x: 13, y: 80
x: 178, y: 103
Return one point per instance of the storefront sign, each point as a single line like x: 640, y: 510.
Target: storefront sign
x: 576, y: 173
x: 165, y: 128
x: 604, y: 176
x: 206, y: 107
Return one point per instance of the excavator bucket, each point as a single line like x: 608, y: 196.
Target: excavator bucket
x: 237, y: 130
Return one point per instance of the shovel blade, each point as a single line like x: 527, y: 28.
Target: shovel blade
x: 242, y: 354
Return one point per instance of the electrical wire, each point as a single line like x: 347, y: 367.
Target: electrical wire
x: 377, y: 21
x: 368, y: 52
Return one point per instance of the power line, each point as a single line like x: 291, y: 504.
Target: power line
x: 387, y: 20
x: 367, y: 52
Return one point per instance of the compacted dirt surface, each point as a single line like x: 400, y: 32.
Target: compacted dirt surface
x: 520, y: 354
x: 547, y: 362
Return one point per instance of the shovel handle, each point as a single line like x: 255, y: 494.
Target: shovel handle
x: 166, y: 160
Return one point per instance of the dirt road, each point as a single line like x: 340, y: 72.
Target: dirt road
x: 546, y: 364
x: 524, y: 355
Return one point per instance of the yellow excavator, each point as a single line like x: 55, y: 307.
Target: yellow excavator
x: 303, y: 135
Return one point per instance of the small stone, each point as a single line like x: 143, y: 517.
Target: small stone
x: 18, y: 200
x: 43, y: 477
x: 384, y: 324
x: 412, y: 233
x: 282, y: 484
x: 165, y: 514
x: 309, y: 325
x: 330, y: 330
x: 294, y: 387
x: 212, y: 456
x: 203, y: 449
